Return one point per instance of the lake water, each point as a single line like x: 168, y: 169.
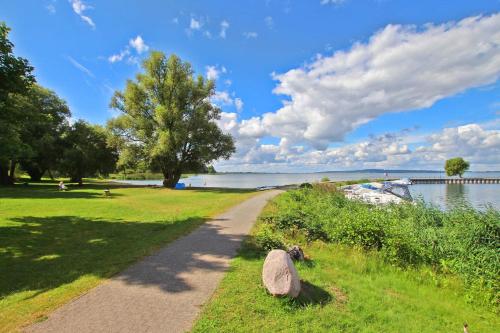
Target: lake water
x: 445, y: 196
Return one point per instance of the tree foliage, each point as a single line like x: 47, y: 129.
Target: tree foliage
x: 211, y: 169
x: 456, y: 166
x: 87, y: 152
x: 46, y: 121
x: 168, y: 121
x: 15, y: 78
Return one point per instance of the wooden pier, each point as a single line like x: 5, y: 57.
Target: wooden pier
x: 455, y: 180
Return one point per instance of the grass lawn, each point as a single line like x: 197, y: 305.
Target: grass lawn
x: 56, y: 245
x: 344, y: 290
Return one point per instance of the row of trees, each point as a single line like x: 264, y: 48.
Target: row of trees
x: 35, y: 129
x: 167, y: 124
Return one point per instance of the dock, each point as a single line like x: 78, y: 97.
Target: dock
x: 455, y: 180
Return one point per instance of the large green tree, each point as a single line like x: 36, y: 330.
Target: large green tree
x: 168, y: 121
x: 46, y: 121
x: 456, y: 166
x: 15, y: 78
x: 87, y: 152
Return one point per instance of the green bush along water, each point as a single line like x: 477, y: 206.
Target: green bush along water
x: 464, y: 242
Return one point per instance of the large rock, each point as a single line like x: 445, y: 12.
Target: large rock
x: 279, y: 274
x: 296, y: 253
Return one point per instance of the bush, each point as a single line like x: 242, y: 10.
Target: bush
x: 463, y: 241
x: 268, y: 240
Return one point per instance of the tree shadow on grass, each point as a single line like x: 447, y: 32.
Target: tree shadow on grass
x: 205, y: 250
x: 39, y: 254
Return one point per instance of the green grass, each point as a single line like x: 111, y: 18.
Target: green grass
x: 56, y: 245
x: 348, y: 290
x: 345, y: 289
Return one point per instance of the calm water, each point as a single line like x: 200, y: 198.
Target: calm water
x: 448, y: 196
x: 445, y: 196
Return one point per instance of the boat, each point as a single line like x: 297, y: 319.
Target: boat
x: 380, y: 193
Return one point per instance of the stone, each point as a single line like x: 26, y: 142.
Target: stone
x: 296, y: 253
x: 279, y: 275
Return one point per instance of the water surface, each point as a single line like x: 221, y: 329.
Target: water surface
x: 445, y: 196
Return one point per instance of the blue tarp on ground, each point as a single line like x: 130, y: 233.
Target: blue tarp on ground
x: 180, y: 186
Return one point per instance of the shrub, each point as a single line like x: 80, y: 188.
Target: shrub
x: 268, y: 240
x: 463, y: 241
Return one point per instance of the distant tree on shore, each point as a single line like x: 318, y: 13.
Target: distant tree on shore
x: 211, y: 169
x: 456, y: 166
x: 168, y: 121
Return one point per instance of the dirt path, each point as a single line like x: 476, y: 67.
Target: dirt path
x: 163, y: 292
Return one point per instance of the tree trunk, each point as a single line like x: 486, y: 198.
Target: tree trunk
x: 35, y: 173
x: 171, y: 178
x: 77, y: 179
x: 12, y: 171
x: 4, y: 174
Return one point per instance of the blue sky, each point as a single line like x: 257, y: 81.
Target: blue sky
x: 304, y: 85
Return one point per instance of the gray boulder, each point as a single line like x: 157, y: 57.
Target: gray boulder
x: 279, y: 275
x: 296, y: 253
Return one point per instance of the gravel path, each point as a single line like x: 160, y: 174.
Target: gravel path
x: 165, y: 291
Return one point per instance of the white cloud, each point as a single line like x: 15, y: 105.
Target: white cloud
x: 224, y: 25
x: 79, y: 7
x: 238, y: 103
x: 269, y: 22
x: 119, y: 56
x: 138, y: 44
x: 333, y: 2
x: 251, y: 128
x: 80, y: 67
x: 51, y: 8
x: 195, y: 24
x: 222, y: 97
x: 214, y: 72
x: 250, y: 35
x: 175, y: 20
x: 473, y: 142
x: 399, y: 69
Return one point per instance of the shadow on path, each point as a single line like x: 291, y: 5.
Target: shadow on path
x: 205, y: 250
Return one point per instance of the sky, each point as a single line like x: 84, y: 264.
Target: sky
x: 304, y: 85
